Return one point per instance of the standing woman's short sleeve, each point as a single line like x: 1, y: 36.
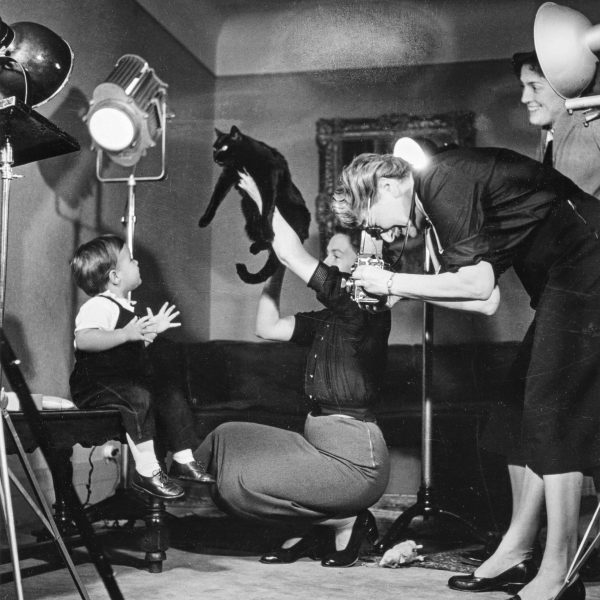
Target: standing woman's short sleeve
x: 452, y: 203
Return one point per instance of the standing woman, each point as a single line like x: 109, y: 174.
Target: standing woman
x: 487, y: 209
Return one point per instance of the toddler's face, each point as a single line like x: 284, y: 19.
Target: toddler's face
x: 128, y: 270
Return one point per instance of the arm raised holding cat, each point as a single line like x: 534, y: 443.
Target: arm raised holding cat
x: 286, y: 243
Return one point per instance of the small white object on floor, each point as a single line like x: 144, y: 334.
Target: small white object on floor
x: 401, y: 554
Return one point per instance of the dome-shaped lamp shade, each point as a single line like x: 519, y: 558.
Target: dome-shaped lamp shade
x: 35, y: 63
x: 565, y: 43
x: 126, y: 111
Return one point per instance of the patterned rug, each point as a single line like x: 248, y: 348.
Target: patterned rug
x: 449, y: 560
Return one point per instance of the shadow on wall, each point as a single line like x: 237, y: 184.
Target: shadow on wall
x: 16, y: 337
x: 72, y: 176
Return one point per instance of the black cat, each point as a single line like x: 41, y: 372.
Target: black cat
x: 235, y: 152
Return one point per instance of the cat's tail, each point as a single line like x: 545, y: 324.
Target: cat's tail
x: 262, y: 275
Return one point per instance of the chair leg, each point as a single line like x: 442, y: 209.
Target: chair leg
x: 156, y: 538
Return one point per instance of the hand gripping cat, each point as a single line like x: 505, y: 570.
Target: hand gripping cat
x: 235, y: 151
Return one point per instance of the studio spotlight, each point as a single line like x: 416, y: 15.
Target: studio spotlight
x: 35, y: 62
x: 128, y: 111
x: 412, y: 152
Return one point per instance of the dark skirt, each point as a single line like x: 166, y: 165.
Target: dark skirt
x: 339, y: 467
x: 552, y: 421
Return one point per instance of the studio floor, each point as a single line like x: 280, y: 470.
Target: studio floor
x: 215, y: 557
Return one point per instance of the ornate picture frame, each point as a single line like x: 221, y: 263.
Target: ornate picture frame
x: 340, y: 140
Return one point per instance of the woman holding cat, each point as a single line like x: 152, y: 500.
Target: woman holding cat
x: 325, y: 480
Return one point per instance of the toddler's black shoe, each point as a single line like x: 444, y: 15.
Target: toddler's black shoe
x: 192, y: 471
x: 157, y: 485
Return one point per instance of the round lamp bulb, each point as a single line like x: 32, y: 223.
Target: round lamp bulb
x: 112, y: 129
x: 407, y: 149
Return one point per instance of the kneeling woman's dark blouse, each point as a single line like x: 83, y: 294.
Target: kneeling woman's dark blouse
x: 348, y: 348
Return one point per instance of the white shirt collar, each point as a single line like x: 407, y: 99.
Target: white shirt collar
x: 124, y: 302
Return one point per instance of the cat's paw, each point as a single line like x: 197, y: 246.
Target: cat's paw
x: 257, y: 247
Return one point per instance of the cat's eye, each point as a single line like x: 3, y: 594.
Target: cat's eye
x: 224, y: 148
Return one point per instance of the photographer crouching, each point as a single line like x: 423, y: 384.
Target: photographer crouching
x: 484, y: 210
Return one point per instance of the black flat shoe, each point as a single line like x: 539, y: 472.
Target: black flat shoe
x: 575, y: 591
x: 158, y: 485
x: 511, y: 581
x: 315, y: 544
x: 364, y: 531
x: 192, y: 471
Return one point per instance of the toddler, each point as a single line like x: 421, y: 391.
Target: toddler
x: 112, y: 367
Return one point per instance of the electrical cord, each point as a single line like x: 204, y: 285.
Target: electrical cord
x: 88, y: 485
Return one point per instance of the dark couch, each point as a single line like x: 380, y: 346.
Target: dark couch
x: 263, y: 382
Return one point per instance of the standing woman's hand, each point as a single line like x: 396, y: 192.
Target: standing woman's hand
x: 248, y: 184
x: 372, y: 279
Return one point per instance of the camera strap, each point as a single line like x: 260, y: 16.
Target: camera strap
x: 411, y: 217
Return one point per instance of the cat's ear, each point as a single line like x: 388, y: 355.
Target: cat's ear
x: 235, y: 133
x: 218, y: 132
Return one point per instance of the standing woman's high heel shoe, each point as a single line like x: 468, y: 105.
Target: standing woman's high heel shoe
x: 364, y: 531
x: 575, y: 591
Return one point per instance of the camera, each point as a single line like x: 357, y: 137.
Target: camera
x: 357, y: 292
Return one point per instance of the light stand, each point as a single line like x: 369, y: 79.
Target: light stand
x: 427, y: 505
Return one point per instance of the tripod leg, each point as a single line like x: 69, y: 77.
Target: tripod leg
x: 399, y: 527
x: 8, y: 514
x: 41, y: 501
x: 469, y: 526
x: 43, y: 438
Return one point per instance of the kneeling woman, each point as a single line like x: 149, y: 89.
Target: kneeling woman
x: 325, y: 480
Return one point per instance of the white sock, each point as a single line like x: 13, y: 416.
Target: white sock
x: 146, y: 463
x: 183, y: 457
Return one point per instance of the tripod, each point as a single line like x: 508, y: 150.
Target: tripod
x: 43, y: 438
x: 427, y: 504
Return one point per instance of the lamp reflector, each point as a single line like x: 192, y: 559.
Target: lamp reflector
x: 112, y: 129
x: 35, y: 62
x: 127, y: 110
x: 407, y: 149
x: 565, y: 43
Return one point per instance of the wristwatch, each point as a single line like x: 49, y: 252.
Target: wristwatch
x: 389, y: 283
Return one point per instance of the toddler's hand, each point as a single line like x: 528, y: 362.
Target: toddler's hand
x: 163, y: 319
x: 136, y: 329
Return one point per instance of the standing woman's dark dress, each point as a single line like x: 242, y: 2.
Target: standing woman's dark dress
x: 340, y: 465
x: 499, y: 206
